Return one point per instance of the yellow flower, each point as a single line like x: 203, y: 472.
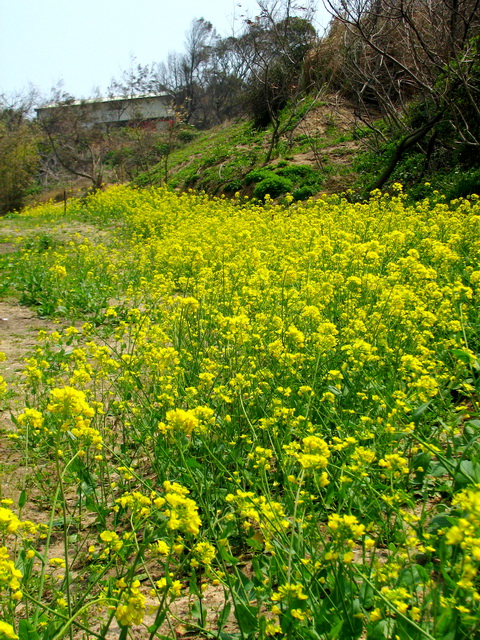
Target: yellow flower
x: 161, y: 547
x: 58, y: 271
x: 180, y: 420
x: 204, y: 553
x: 375, y: 615
x: 6, y: 631
x: 9, y: 522
x: 132, y: 607
x: 69, y: 402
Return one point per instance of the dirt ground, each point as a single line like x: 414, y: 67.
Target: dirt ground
x: 19, y: 326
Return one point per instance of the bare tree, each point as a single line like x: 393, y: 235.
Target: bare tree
x: 187, y: 75
x: 137, y: 80
x: 272, y: 48
x: 394, y: 51
x: 78, y: 145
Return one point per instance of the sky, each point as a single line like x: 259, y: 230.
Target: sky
x: 86, y: 43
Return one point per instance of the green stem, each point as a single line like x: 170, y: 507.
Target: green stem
x: 389, y: 604
x: 69, y: 621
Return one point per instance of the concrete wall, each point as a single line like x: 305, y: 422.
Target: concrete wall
x: 155, y: 109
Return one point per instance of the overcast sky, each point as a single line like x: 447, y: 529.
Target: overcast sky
x: 85, y: 43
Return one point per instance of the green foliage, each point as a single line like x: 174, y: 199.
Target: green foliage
x: 233, y: 186
x: 301, y: 180
x: 291, y: 370
x: 303, y: 176
x: 19, y: 161
x: 305, y: 192
x: 257, y: 175
x: 468, y: 184
x: 272, y: 185
x: 187, y: 134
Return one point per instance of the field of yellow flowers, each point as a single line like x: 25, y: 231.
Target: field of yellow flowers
x: 273, y: 404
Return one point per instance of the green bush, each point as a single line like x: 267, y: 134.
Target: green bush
x: 257, y: 175
x: 187, y: 135
x: 233, y: 186
x: 18, y: 164
x: 466, y: 186
x: 297, y: 172
x: 305, y: 192
x: 273, y: 185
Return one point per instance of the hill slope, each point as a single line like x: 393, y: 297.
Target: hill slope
x: 220, y: 160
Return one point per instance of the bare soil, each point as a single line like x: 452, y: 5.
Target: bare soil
x: 19, y: 326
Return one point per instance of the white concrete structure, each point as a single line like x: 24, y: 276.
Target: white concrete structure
x: 146, y: 110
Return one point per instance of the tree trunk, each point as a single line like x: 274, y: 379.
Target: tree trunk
x: 409, y: 141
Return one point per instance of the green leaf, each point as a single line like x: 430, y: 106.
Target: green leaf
x: 462, y: 355
x: 158, y: 622
x: 199, y: 612
x: 26, y: 631
x: 352, y: 627
x: 413, y: 576
x: 224, y: 613
x: 419, y: 411
x: 246, y: 616
x: 226, y: 557
x: 246, y: 590
x: 194, y: 590
x: 336, y: 629
x: 193, y: 464
x: 439, y: 522
x: 255, y: 544
x: 380, y: 630
x: 366, y: 595
x: 475, y: 423
x: 22, y: 499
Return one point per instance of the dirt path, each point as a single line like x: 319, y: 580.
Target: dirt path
x: 18, y: 329
x: 19, y: 326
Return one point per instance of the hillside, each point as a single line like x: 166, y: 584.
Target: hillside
x: 218, y: 160
x: 327, y: 150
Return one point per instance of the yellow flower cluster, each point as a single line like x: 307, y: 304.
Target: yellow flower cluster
x: 204, y: 553
x: 112, y: 541
x: 395, y: 465
x: 467, y: 532
x: 182, y: 512
x: 10, y: 576
x: 345, y: 530
x: 268, y: 515
x: 58, y: 271
x: 261, y: 458
x: 32, y: 419
x: 167, y: 585
x: 179, y: 420
x: 132, y: 607
x: 317, y: 358
x: 314, y: 453
x: 9, y: 522
x: 69, y: 402
x: 6, y: 631
x: 288, y: 591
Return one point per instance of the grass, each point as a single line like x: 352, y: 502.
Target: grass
x: 250, y: 420
x: 217, y: 161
